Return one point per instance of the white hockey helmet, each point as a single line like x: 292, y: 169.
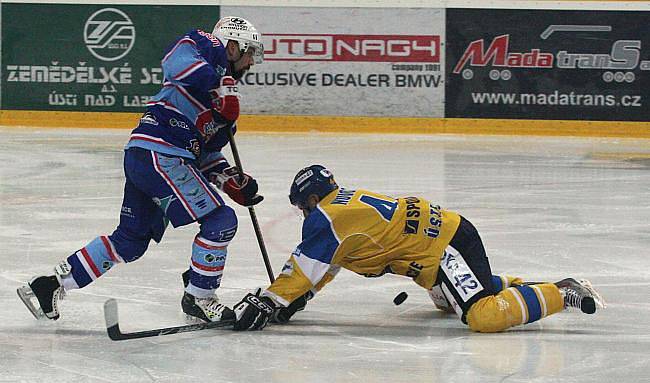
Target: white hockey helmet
x: 242, y: 31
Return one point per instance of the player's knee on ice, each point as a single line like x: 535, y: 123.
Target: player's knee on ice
x: 490, y: 314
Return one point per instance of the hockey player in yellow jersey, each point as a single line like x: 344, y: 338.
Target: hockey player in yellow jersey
x: 372, y: 234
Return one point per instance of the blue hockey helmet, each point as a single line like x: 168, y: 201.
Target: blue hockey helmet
x: 314, y: 179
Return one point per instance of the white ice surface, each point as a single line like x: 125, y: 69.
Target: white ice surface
x: 547, y: 208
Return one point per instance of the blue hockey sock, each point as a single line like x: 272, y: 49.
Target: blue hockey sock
x: 92, y: 261
x: 208, y: 261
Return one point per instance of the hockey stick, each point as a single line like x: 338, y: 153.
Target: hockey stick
x: 251, y: 210
x: 114, y: 332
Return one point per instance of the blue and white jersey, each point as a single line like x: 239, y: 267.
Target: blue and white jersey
x: 180, y: 119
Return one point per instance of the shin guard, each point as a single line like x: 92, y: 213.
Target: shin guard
x: 514, y: 306
x: 91, y: 262
x: 208, y: 261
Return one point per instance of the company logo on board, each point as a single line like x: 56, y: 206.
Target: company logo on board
x: 109, y: 34
x: 369, y: 48
x: 618, y: 64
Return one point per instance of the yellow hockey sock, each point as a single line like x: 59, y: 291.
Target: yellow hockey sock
x: 514, y: 306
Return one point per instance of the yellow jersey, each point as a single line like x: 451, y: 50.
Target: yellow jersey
x: 370, y: 234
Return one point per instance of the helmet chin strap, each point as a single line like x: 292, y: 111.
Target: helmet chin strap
x: 306, y: 212
x: 310, y: 209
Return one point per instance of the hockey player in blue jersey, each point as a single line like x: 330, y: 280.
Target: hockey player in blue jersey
x: 170, y: 159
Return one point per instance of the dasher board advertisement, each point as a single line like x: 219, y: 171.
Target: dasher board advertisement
x: 346, y: 61
x: 547, y: 64
x: 94, y: 58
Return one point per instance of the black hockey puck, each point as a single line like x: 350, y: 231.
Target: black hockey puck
x: 400, y: 298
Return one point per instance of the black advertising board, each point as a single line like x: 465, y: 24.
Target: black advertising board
x: 548, y: 64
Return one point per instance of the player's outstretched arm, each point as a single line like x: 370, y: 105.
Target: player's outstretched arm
x: 282, y: 315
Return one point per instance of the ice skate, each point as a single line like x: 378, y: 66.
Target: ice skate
x: 41, y: 296
x: 580, y: 294
x: 203, y: 309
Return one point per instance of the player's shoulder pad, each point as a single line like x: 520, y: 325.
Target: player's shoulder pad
x: 210, y: 47
x: 316, y: 222
x: 203, y: 37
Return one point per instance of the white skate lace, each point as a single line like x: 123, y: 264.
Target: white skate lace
x: 572, y: 298
x: 211, y: 304
x: 58, y: 295
x: 61, y: 271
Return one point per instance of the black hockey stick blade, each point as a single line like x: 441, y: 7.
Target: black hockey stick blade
x: 114, y: 332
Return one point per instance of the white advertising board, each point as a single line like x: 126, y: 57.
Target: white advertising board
x: 346, y: 61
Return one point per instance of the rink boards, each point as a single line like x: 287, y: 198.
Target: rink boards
x: 520, y: 69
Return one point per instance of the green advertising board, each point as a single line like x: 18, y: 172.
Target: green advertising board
x: 91, y: 58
